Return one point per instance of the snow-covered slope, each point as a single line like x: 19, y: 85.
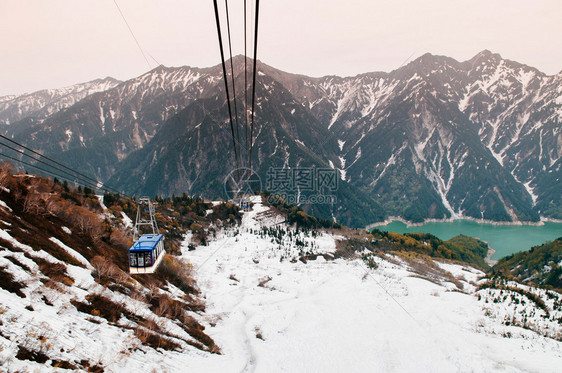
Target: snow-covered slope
x: 44, y: 325
x: 67, y: 300
x: 277, y: 299
x: 274, y: 314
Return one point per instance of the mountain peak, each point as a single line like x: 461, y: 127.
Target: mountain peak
x: 485, y: 53
x: 484, y: 56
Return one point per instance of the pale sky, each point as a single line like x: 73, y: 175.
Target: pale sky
x: 55, y: 43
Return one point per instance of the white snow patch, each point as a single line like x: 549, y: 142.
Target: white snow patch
x: 3, y: 204
x: 102, y: 115
x: 126, y: 220
x: 342, y: 161
x: 75, y: 254
x: 341, y: 143
x: 531, y: 192
x: 525, y: 78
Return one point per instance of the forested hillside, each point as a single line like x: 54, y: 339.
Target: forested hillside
x: 541, y: 265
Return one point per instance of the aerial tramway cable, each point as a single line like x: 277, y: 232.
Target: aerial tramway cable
x: 226, y: 86
x: 233, y: 80
x: 49, y: 172
x: 132, y: 33
x: 92, y: 180
x: 249, y: 141
x: 254, y: 81
x: 49, y: 165
x: 245, y: 80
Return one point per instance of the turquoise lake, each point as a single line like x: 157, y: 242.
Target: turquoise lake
x: 505, y: 239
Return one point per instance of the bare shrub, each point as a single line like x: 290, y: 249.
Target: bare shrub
x: 6, y: 171
x: 53, y: 285
x: 54, y: 271
x: 33, y: 203
x: 164, y: 305
x: 119, y: 239
x: 98, y: 305
x: 139, y: 299
x: 38, y: 192
x: 178, y: 273
x: 105, y: 270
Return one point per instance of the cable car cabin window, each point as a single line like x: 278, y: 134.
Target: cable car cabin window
x: 148, y: 259
x: 133, y: 259
x: 142, y: 259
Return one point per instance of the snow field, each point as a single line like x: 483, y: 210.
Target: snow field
x: 272, y: 315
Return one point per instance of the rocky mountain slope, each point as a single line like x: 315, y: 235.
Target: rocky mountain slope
x: 436, y: 138
x: 102, y: 129
x: 455, y: 139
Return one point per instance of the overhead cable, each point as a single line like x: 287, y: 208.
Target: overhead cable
x: 233, y: 80
x: 254, y: 81
x: 226, y: 85
x: 95, y: 181
x: 49, y: 172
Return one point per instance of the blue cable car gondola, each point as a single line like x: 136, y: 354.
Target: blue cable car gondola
x: 148, y: 249
x: 146, y: 253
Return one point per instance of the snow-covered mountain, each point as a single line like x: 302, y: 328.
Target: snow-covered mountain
x: 475, y: 138
x: 436, y: 138
x: 43, y: 103
x: 104, y: 128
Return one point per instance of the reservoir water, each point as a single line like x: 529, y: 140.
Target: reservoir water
x: 504, y: 239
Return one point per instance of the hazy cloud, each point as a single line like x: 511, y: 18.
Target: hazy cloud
x: 49, y: 44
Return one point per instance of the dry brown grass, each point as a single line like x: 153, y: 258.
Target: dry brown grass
x: 425, y: 268
x: 178, y: 273
x: 149, y: 334
x: 54, y: 271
